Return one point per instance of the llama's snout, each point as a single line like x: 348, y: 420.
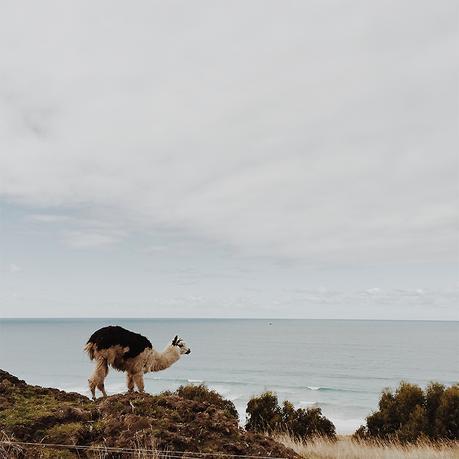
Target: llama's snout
x: 188, y: 352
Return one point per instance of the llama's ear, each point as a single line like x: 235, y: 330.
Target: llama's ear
x: 174, y: 341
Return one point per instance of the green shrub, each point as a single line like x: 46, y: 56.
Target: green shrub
x: 447, y: 414
x: 265, y: 415
x: 411, y: 414
x: 203, y: 394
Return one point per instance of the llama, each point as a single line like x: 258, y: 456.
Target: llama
x: 131, y: 352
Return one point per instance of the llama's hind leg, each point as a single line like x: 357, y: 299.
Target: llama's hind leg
x: 92, y: 387
x: 138, y: 380
x: 98, y: 377
x: 103, y: 373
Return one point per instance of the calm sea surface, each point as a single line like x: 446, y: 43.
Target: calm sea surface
x: 340, y: 366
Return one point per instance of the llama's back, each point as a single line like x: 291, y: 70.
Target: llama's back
x: 115, y: 340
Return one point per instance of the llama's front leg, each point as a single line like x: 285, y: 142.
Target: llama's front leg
x: 101, y: 387
x: 130, y: 382
x: 138, y: 380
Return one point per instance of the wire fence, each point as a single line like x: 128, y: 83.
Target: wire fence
x: 144, y: 452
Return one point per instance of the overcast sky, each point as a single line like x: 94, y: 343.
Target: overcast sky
x: 229, y: 159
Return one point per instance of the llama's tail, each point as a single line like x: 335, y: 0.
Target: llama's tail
x: 90, y: 348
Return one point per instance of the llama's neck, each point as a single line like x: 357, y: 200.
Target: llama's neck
x: 163, y: 360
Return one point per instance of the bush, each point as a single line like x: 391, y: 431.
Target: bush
x: 412, y: 414
x: 447, y: 414
x: 202, y: 394
x: 265, y: 415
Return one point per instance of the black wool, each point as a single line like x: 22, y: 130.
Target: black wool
x: 115, y: 335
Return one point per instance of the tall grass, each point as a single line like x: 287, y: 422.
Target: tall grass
x: 8, y: 450
x: 346, y: 448
x: 144, y: 448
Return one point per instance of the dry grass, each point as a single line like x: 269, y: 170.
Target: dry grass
x: 145, y: 448
x: 319, y: 448
x: 346, y: 448
x: 7, y: 450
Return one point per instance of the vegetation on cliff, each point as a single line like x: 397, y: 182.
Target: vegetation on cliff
x: 192, y: 419
x: 411, y: 414
x: 410, y: 422
x: 266, y: 415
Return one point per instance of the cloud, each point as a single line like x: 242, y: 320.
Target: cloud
x: 77, y: 231
x: 325, y: 133
x: 88, y: 238
x: 12, y: 268
x: 376, y: 302
x: 155, y: 248
x: 373, y: 291
x: 49, y: 218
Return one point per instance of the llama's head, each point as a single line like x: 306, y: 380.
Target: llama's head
x: 181, y: 345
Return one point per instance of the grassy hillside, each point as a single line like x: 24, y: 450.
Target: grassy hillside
x: 191, y: 419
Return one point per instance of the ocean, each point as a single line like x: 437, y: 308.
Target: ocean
x: 340, y: 366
